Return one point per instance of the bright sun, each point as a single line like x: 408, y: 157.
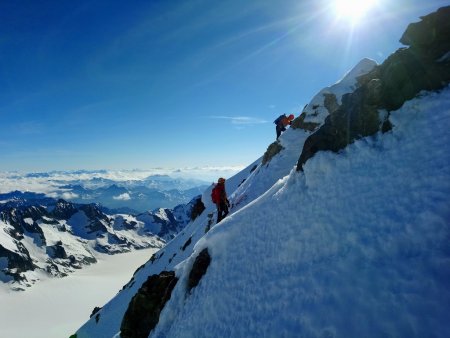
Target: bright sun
x: 353, y: 10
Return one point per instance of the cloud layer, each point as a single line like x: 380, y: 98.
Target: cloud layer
x: 50, y: 182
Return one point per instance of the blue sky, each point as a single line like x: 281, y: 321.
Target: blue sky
x: 142, y: 84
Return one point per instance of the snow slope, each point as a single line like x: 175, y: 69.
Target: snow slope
x: 324, y: 252
x: 175, y: 252
x: 356, y: 246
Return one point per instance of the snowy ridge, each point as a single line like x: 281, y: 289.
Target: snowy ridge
x: 348, y: 83
x: 316, y: 111
x: 293, y: 270
x: 315, y: 268
x: 297, y: 270
x: 263, y: 177
x: 243, y: 188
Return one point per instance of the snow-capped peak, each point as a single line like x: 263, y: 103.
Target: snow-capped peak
x: 330, y: 98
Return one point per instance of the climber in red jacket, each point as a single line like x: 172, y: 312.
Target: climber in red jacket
x: 219, y: 197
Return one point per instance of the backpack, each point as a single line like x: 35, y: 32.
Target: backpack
x: 278, y: 119
x: 215, y: 194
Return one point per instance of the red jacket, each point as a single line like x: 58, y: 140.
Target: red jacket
x: 220, y: 193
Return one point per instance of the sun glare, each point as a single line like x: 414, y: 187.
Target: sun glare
x: 352, y: 10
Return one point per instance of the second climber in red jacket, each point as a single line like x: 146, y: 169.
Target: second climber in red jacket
x: 219, y: 197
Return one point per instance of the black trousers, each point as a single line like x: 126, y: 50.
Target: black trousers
x: 222, y: 211
x: 279, y: 130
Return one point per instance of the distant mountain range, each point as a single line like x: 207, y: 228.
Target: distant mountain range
x: 130, y: 196
x: 44, y: 236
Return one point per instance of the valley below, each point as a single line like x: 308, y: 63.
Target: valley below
x: 56, y: 307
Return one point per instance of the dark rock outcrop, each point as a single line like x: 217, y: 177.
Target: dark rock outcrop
x: 168, y: 222
x: 406, y: 72
x: 271, y: 151
x: 357, y: 117
x: 197, y: 208
x: 431, y: 35
x: 56, y: 251
x: 199, y: 268
x: 95, y: 312
x: 400, y: 78
x: 145, y: 307
x: 17, y: 262
x: 299, y: 123
x: 34, y: 213
x: 330, y: 102
x: 64, y: 210
x: 95, y: 216
x: 19, y: 219
x: 188, y: 242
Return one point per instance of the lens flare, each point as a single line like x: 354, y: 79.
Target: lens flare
x: 353, y: 10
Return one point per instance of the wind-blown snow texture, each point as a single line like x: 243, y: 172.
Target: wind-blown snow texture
x: 354, y: 246
x: 357, y: 246
x: 379, y: 266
